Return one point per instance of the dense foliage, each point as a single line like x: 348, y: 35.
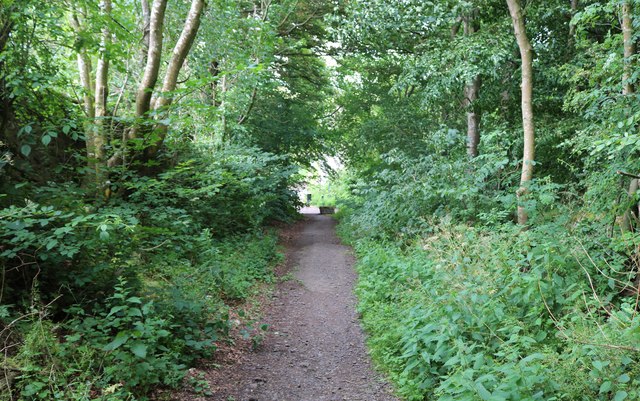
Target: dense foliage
x: 118, y: 298
x: 490, y: 186
x: 146, y: 147
x: 461, y: 302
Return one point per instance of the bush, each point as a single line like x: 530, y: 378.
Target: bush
x: 233, y: 190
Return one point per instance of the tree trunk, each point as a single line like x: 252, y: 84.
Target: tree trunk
x: 214, y: 70
x: 84, y: 70
x: 146, y: 31
x: 180, y: 52
x: 471, y: 91
x: 101, y: 93
x: 223, y: 108
x: 526, y: 55
x: 629, y: 47
x: 153, y: 20
x: 572, y: 27
x: 473, y: 119
x: 86, y: 81
x: 252, y: 102
x: 154, y: 55
x: 7, y: 116
x: 629, y: 219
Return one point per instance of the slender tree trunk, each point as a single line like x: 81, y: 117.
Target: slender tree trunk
x: 252, y: 102
x: 6, y: 26
x: 471, y: 91
x: 526, y: 55
x: 154, y: 55
x: 572, y: 27
x: 86, y: 81
x: 214, y: 71
x: 223, y: 107
x: 146, y: 32
x: 180, y: 52
x: 473, y: 119
x: 102, y: 92
x: 629, y: 217
x: 629, y: 47
x: 153, y: 19
x: 84, y: 68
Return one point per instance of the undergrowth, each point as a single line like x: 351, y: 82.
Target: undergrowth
x: 466, y: 315
x: 108, y: 301
x: 470, y: 307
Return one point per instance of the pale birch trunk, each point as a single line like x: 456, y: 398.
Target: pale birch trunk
x: 526, y: 55
x: 471, y: 91
x: 180, y: 52
x: 153, y: 19
x: 84, y: 71
x: 154, y: 56
x: 473, y: 119
x: 101, y: 93
x: 629, y: 218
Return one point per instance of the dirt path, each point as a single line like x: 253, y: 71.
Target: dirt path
x: 315, y: 350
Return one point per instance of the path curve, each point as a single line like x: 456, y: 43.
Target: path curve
x: 315, y: 350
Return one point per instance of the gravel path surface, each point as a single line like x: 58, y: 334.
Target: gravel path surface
x: 315, y: 349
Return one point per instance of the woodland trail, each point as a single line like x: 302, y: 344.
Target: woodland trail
x: 315, y: 347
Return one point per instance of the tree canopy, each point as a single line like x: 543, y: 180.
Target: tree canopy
x: 490, y: 186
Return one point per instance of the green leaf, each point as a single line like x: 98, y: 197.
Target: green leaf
x: 116, y: 309
x: 134, y: 300
x: 120, y: 339
x: 73, y: 338
x: 25, y: 150
x: 66, y: 129
x: 51, y: 244
x: 605, y: 387
x: 624, y: 378
x: 483, y: 392
x: 134, y: 312
x: 139, y: 350
x: 46, y: 139
x: 620, y: 395
x: 599, y: 365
